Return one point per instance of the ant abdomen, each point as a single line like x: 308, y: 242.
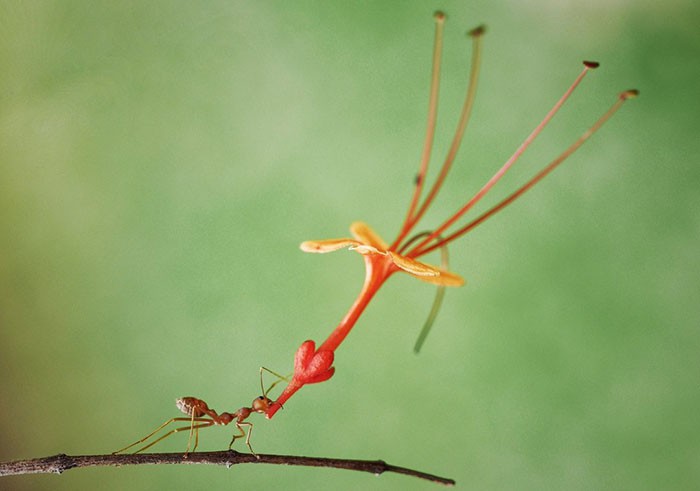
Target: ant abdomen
x: 189, y: 405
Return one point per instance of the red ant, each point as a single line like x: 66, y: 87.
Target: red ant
x: 200, y: 415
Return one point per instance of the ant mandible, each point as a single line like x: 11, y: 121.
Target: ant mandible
x: 200, y: 415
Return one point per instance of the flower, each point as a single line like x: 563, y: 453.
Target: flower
x: 367, y: 242
x: 313, y: 365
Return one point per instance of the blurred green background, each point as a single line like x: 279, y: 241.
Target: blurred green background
x: 161, y: 161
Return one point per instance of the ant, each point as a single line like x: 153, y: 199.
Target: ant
x: 200, y: 415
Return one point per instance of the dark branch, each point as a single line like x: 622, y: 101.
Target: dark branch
x: 58, y: 463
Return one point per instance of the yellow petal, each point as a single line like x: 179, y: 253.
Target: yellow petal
x: 446, y: 278
x: 416, y: 268
x: 329, y: 245
x: 426, y: 272
x: 362, y: 232
x: 366, y: 249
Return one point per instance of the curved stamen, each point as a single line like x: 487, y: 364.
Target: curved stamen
x: 440, y: 294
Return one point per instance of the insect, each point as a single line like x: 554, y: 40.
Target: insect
x: 200, y: 415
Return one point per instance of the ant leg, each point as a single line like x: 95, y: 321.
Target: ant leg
x: 247, y: 438
x: 243, y: 434
x: 235, y: 437
x: 150, y: 434
x: 203, y: 423
x: 196, y: 439
x: 189, y: 439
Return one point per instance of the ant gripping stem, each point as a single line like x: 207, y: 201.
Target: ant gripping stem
x: 200, y: 415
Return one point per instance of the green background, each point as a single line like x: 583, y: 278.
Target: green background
x: 161, y: 161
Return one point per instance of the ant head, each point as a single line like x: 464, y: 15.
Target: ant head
x: 261, y: 404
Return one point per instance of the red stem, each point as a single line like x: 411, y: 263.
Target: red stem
x: 378, y: 269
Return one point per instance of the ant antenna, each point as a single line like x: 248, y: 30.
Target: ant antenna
x: 280, y: 378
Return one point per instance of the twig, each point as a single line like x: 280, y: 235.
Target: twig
x: 62, y: 462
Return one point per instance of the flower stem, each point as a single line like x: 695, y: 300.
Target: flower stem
x: 378, y: 269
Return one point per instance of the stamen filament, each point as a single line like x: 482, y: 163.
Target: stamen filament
x: 461, y: 127
x: 628, y: 94
x: 417, y: 250
x: 432, y: 118
x: 378, y: 269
